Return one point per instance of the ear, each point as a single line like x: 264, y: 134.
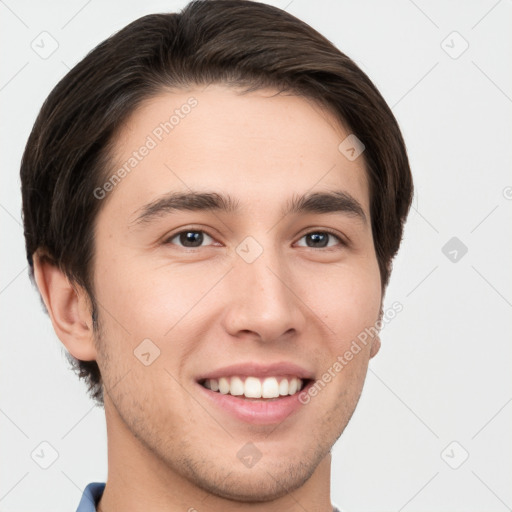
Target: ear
x: 68, y: 307
x: 374, y: 349
x: 375, y: 346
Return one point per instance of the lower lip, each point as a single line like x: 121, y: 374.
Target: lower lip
x: 257, y: 412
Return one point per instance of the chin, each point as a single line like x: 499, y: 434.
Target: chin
x: 262, y: 486
x: 264, y: 482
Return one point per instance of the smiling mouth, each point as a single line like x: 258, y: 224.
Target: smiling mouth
x: 255, y: 388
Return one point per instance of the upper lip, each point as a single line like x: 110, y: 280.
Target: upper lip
x: 258, y: 370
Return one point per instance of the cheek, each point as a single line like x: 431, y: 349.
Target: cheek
x: 157, y: 303
x: 146, y: 300
x: 348, y: 301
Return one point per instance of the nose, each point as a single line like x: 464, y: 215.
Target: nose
x: 264, y: 299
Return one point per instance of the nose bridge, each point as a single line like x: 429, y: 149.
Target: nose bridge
x: 262, y: 297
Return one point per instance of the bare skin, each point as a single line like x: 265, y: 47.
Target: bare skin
x: 205, y: 307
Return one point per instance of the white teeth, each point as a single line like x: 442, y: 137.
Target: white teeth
x: 237, y: 386
x: 223, y: 385
x: 283, y: 387
x: 270, y: 388
x: 253, y: 387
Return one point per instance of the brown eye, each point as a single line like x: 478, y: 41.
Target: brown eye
x: 321, y: 239
x: 189, y: 238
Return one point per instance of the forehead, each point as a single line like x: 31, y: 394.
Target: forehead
x: 259, y: 147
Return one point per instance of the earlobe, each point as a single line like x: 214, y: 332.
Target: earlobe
x: 375, y: 346
x: 68, y: 309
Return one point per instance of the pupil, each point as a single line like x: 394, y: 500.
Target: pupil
x: 319, y: 237
x: 194, y: 237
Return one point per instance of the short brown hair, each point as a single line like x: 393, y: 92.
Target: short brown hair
x: 234, y: 42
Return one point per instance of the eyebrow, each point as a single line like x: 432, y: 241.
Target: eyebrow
x: 318, y: 202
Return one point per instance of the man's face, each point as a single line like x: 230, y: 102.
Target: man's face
x: 252, y: 286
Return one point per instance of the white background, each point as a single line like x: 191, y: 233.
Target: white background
x: 443, y: 373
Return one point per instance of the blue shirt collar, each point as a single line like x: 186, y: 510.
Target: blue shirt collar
x: 90, y: 497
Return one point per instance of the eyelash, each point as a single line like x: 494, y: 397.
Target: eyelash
x: 316, y: 231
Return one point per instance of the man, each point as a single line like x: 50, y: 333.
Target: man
x: 212, y: 201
